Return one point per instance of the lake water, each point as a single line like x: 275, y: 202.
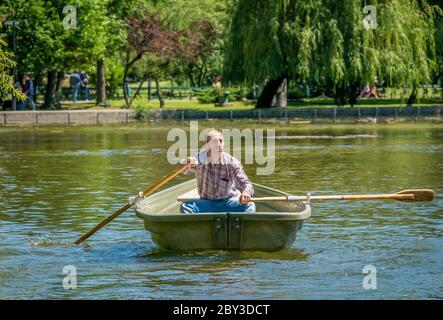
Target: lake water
x: 58, y: 182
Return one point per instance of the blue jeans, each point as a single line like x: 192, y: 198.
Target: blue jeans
x: 29, y: 101
x: 226, y: 205
x: 75, y: 89
x: 84, y: 92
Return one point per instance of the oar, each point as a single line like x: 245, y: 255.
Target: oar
x: 405, y: 195
x: 132, y: 201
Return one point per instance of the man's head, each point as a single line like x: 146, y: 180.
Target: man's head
x: 215, y: 141
x: 26, y: 77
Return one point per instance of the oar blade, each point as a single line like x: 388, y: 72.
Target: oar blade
x: 419, y: 194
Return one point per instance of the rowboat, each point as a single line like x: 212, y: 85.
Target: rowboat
x: 272, y: 227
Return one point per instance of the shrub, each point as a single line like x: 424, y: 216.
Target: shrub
x: 211, y: 95
x: 296, y: 93
x: 206, y: 95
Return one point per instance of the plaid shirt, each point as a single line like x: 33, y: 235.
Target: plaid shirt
x: 220, y: 181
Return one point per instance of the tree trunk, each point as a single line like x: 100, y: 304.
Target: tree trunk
x: 101, y: 83
x: 51, y: 87
x: 281, y: 98
x: 190, y: 76
x: 353, y: 94
x: 340, y: 96
x: 413, y: 97
x: 125, y: 85
x: 268, y: 93
x: 60, y: 78
x: 159, y: 93
x: 137, y: 92
x: 38, y: 81
x: 437, y: 77
x: 125, y: 76
x: 204, y: 75
x: 149, y: 89
x: 202, y: 72
x: 58, y: 89
x: 171, y: 92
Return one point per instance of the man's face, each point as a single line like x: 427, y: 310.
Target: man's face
x: 217, y: 143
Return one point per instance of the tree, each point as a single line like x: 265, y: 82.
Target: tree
x: 147, y: 35
x: 47, y: 45
x: 205, y: 21
x: 325, y: 44
x: 6, y: 80
x: 196, y: 44
x: 439, y: 41
x: 439, y: 36
x: 7, y: 63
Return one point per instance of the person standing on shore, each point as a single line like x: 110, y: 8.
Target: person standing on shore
x: 76, y: 82
x: 84, y: 86
x: 19, y: 86
x: 29, y: 91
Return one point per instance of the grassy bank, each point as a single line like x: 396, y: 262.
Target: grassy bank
x: 142, y: 104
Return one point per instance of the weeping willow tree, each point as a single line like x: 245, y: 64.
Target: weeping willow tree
x: 325, y: 44
x: 439, y: 44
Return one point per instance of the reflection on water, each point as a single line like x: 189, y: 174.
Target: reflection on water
x: 57, y: 183
x: 234, y: 255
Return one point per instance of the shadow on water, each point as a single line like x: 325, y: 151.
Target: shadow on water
x: 227, y: 255
x: 213, y: 269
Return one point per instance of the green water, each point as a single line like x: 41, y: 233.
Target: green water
x: 58, y: 182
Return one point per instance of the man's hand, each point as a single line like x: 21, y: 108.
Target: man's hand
x: 245, y: 197
x: 192, y: 160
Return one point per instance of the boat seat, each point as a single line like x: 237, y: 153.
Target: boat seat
x: 192, y: 195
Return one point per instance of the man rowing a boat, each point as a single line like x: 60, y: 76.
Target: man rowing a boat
x: 221, y: 181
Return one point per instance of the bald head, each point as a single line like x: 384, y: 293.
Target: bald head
x: 212, y: 134
x: 214, y: 141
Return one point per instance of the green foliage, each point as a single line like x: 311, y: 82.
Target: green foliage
x: 181, y: 15
x: 324, y: 42
x: 44, y: 44
x: 207, y: 95
x: 6, y: 80
x: 212, y: 95
x: 439, y: 47
x: 296, y: 93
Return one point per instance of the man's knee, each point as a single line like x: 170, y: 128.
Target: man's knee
x: 250, y: 207
x: 235, y: 205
